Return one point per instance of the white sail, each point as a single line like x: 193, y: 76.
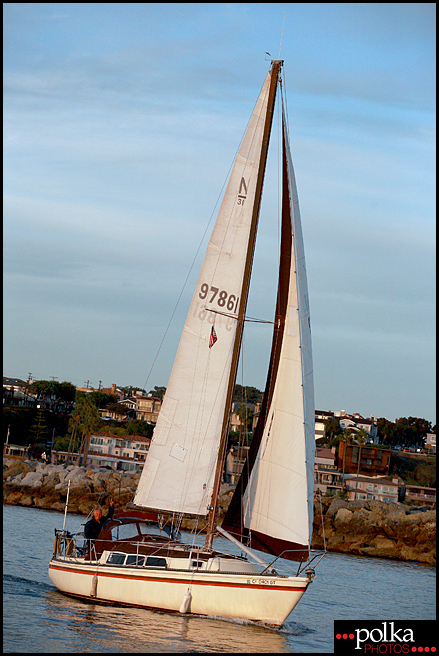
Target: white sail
x: 179, y: 471
x: 278, y: 501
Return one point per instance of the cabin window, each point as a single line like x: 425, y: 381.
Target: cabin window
x: 124, y: 532
x: 196, y: 563
x: 155, y: 562
x: 116, y: 559
x: 149, y: 529
x: 138, y: 561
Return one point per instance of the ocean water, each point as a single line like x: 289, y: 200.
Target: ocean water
x: 37, y: 618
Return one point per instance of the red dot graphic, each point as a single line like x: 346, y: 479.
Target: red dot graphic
x: 338, y: 636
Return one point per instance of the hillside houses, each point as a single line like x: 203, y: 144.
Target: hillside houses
x: 108, y: 450
x: 16, y: 393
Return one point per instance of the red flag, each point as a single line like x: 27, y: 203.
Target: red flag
x: 213, y: 337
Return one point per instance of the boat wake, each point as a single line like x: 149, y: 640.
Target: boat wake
x: 21, y: 586
x: 287, y: 628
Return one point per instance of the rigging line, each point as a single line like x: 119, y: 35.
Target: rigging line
x: 282, y: 35
x: 189, y: 272
x: 233, y: 316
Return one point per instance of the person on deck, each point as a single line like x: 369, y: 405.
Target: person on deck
x: 94, y: 525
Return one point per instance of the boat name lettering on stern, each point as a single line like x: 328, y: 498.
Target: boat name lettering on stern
x: 260, y: 582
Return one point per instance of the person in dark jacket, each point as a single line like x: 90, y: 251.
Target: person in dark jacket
x: 94, y: 525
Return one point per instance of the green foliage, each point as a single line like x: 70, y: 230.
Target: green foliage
x: 158, y: 392
x: 100, y: 399
x: 247, y: 394
x: 62, y: 443
x: 245, y: 416
x: 414, y: 470
x: 130, y: 390
x: 407, y: 431
x: 64, y: 391
x: 139, y: 427
x: 361, y: 436
x: 333, y: 428
x: 85, y: 417
x: 38, y: 431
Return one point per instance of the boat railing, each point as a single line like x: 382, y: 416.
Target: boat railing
x: 70, y: 545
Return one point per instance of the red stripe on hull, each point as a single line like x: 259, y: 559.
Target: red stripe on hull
x: 182, y: 581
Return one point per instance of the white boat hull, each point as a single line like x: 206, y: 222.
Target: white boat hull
x: 267, y: 599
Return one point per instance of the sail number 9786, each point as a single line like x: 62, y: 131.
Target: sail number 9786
x: 222, y: 298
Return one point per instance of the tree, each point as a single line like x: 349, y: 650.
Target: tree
x: 361, y: 436
x: 130, y: 390
x: 245, y: 416
x: 387, y: 432
x: 100, y: 399
x: 66, y: 392
x: 85, y: 420
x: 247, y: 394
x: 158, y: 392
x: 139, y: 427
x: 332, y: 427
x: 38, y: 430
x: 118, y: 409
x: 413, y: 430
x: 406, y: 431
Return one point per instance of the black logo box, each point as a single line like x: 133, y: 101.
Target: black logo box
x: 373, y: 637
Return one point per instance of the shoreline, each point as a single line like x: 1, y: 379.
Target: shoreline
x: 362, y: 528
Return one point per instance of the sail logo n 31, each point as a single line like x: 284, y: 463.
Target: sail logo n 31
x: 242, y: 196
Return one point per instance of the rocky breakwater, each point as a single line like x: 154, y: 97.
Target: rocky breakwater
x: 375, y: 528
x: 30, y: 483
x: 364, y: 528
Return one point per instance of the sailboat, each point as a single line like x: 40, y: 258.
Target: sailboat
x: 138, y: 558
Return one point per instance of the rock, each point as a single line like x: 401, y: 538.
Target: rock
x: 335, y: 506
x: 32, y: 479
x: 14, y: 498
x: 343, y: 516
x: 62, y: 475
x: 58, y: 506
x: 26, y: 500
x: 18, y: 467
x: 49, y: 482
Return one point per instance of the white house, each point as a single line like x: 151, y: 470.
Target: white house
x: 106, y: 449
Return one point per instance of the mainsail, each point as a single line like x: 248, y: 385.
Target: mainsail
x: 181, y: 473
x: 272, y: 507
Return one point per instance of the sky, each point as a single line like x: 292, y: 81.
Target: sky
x: 121, y: 122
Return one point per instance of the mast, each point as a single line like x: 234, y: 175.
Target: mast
x: 281, y: 457
x: 275, y: 72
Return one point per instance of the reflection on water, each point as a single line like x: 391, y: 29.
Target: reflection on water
x: 97, y: 627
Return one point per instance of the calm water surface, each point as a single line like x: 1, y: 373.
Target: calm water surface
x: 37, y: 618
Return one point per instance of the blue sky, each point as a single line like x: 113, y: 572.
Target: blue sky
x: 120, y: 124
